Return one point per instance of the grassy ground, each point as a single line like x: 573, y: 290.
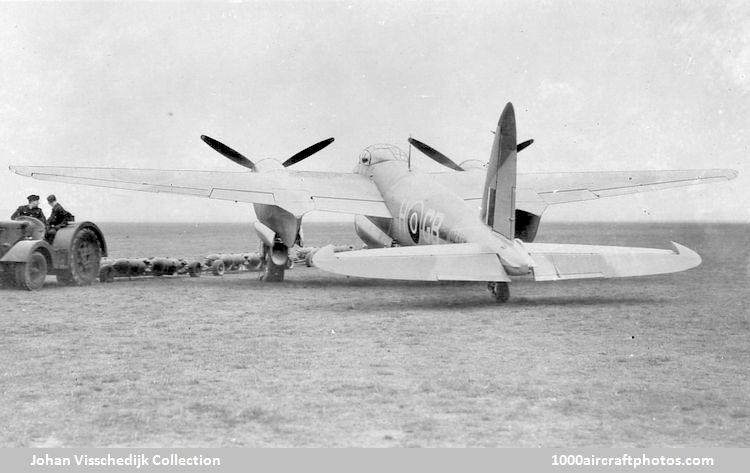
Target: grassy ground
x: 323, y: 360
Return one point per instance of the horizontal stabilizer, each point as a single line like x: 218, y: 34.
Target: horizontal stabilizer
x: 560, y: 261
x: 456, y: 262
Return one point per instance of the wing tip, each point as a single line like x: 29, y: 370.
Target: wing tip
x: 20, y: 170
x: 688, y: 256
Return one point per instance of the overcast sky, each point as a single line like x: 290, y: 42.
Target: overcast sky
x: 598, y: 85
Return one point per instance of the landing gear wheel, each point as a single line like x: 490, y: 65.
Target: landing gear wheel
x: 217, y: 267
x: 276, y: 261
x: 85, y: 253
x: 501, y: 290
x: 31, y: 274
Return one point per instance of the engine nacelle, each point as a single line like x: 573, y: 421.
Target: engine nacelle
x: 373, y: 231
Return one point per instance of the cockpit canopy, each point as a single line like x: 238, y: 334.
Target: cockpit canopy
x: 375, y: 154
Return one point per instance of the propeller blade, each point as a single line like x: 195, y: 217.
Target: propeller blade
x: 228, y: 152
x: 435, y: 155
x: 307, y: 152
x: 523, y: 145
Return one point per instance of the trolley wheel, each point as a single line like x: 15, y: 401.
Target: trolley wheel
x: 194, y: 269
x: 217, y: 268
x: 106, y: 274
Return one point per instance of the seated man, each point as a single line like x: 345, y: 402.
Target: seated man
x: 57, y: 219
x: 30, y: 210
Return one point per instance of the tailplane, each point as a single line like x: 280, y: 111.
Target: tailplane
x: 498, y: 200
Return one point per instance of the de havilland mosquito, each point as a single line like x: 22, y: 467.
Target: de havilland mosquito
x: 475, y: 222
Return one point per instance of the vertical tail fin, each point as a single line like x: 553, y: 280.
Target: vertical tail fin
x: 499, y: 198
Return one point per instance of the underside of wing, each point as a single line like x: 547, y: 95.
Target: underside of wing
x: 456, y: 262
x: 535, y: 191
x: 298, y: 192
x: 561, y: 261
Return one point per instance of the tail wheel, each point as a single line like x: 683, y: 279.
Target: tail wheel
x: 31, y: 274
x: 501, y: 290
x: 85, y: 253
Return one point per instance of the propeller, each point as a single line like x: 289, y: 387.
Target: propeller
x: 523, y: 145
x: 435, y: 155
x: 307, y: 152
x: 228, y: 152
x: 238, y: 158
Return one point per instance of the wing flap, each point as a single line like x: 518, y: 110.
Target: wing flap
x: 456, y: 262
x: 559, y: 261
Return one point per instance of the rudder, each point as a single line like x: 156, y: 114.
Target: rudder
x: 498, y: 200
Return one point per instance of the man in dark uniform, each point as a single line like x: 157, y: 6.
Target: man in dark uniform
x: 57, y: 219
x: 30, y: 210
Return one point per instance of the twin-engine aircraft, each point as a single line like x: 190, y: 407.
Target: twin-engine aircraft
x: 476, y: 222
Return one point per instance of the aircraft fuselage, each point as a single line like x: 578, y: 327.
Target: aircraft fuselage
x: 426, y: 213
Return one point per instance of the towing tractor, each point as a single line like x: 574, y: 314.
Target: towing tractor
x: 26, y: 257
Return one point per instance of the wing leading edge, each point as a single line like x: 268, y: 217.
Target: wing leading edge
x: 298, y: 192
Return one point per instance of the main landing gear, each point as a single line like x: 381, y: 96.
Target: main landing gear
x: 275, y: 261
x: 501, y: 290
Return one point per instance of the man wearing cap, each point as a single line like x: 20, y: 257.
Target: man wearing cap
x: 57, y: 219
x: 30, y: 210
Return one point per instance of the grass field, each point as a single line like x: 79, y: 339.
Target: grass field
x: 323, y: 360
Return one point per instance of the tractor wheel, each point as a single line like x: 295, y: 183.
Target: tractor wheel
x: 194, y: 269
x: 31, y: 274
x: 85, y: 253
x: 217, y: 267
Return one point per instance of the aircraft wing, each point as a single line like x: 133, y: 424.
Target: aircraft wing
x: 473, y: 262
x: 535, y: 191
x: 296, y: 191
x: 455, y: 262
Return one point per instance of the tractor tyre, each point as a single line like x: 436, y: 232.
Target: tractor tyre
x: 31, y: 274
x: 84, y: 257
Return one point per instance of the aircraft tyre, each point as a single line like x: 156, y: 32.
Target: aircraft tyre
x: 276, y: 262
x: 501, y: 291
